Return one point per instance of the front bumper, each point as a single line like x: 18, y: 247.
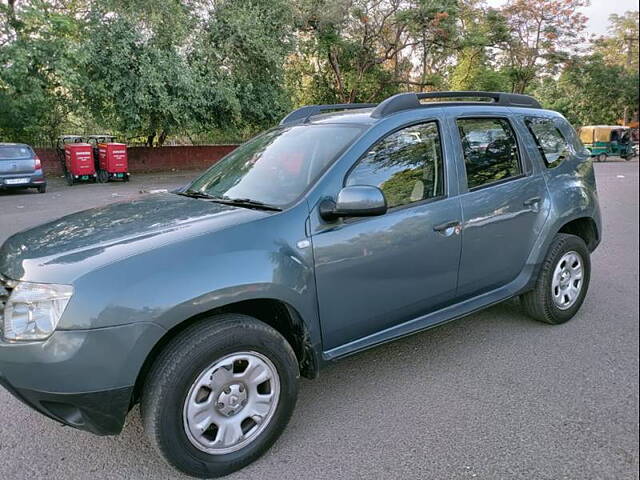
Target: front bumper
x: 81, y: 378
x: 101, y: 413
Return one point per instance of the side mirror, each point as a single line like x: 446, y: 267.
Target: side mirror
x: 355, y: 201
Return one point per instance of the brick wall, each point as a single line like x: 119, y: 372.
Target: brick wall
x: 158, y: 159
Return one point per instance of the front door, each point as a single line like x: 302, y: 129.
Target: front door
x: 504, y: 208
x: 374, y: 273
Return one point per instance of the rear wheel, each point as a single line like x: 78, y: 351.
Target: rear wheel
x: 42, y: 188
x: 219, y: 395
x: 562, y: 283
x: 103, y: 176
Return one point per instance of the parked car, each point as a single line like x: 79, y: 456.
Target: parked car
x: 318, y: 239
x: 20, y: 167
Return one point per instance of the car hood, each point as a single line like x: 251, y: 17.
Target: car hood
x: 66, y: 248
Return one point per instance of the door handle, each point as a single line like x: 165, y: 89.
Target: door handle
x: 445, y: 227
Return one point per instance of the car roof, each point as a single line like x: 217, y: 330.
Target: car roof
x: 358, y: 116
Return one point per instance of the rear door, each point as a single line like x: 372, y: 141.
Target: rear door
x: 16, y: 159
x: 504, y: 202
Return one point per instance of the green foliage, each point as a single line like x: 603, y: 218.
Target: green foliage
x: 620, y: 47
x: 215, y: 71
x: 34, y: 66
x: 473, y: 72
x: 243, y: 46
x: 590, y: 91
x: 227, y: 76
x: 134, y: 85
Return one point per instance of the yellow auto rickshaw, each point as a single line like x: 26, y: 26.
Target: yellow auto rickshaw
x: 607, y: 140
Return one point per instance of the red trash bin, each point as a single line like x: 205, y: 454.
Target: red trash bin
x: 79, y: 164
x: 113, y: 162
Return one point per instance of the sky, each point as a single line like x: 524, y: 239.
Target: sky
x: 598, y: 12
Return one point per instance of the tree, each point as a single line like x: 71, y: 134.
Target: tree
x: 361, y: 50
x: 243, y: 46
x: 542, y: 34
x: 36, y: 51
x: 589, y: 91
x: 620, y: 46
x: 132, y: 82
x: 474, y: 72
x: 148, y: 73
x: 481, y: 31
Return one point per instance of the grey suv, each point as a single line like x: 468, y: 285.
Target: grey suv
x: 327, y: 235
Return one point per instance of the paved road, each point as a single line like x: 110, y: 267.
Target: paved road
x: 491, y: 396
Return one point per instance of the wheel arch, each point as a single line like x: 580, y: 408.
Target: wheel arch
x: 585, y: 228
x: 276, y: 313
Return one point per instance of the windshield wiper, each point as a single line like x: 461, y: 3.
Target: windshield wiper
x: 196, y: 194
x: 246, y: 202
x: 239, y: 202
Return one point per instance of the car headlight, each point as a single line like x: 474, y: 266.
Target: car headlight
x: 33, y: 310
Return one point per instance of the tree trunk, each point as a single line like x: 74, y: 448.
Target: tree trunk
x: 333, y: 61
x: 13, y: 21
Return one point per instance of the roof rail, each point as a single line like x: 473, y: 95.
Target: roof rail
x: 407, y: 101
x: 302, y: 114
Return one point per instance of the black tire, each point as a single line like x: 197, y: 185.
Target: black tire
x: 103, y: 176
x: 538, y: 303
x: 602, y: 157
x: 42, y: 188
x: 177, y: 368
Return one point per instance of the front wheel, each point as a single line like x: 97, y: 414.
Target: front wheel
x: 562, y: 282
x: 602, y: 157
x: 219, y: 395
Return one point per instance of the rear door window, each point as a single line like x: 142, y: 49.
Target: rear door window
x: 551, y: 143
x: 490, y: 150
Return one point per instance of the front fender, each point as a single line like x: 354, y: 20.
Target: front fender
x: 169, y: 284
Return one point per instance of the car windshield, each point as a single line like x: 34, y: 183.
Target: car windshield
x: 276, y: 167
x: 11, y: 152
